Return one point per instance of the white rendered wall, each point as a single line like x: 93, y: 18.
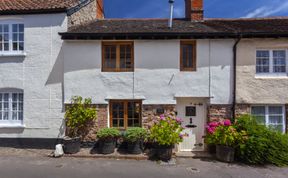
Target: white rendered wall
x: 39, y: 74
x: 157, y: 78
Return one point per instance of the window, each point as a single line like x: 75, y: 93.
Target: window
x: 11, y: 38
x: 124, y: 114
x: 117, y: 57
x: 271, y: 61
x: 272, y: 116
x: 190, y: 111
x: 188, y: 56
x: 11, y: 108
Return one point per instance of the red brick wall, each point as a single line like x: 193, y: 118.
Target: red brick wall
x: 100, y: 9
x: 219, y: 112
x: 194, y: 10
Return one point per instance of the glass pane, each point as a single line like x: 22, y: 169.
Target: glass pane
x: 115, y: 123
x: 125, y: 56
x: 20, y: 107
x: 260, y: 119
x: 6, y: 97
x: 187, y: 56
x: 6, y: 37
x: 276, y: 110
x: 6, y: 46
x: 130, y: 123
x: 20, y: 116
x: 15, y: 46
x: 15, y: 37
x: 110, y: 57
x: 14, y: 115
x: 262, y: 61
x: 279, y: 61
x: 21, y: 37
x: 5, y: 117
x: 258, y: 110
x: 20, y: 96
x: 0, y: 115
x: 14, y: 106
x: 275, y: 120
x: 21, y: 46
x: 15, y: 27
x: 262, y: 53
x: 1, y: 28
x: 6, y: 28
x: 21, y: 28
x: 121, y: 123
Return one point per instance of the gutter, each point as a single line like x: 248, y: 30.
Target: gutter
x: 235, y: 76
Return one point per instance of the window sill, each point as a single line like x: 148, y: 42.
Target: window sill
x: 6, y: 126
x: 271, y: 76
x: 13, y: 54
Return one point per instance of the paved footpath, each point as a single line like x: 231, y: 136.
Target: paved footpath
x: 42, y: 167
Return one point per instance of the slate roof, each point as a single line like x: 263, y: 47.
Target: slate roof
x: 182, y: 28
x: 35, y: 6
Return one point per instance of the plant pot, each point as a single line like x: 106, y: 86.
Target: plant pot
x: 107, y: 146
x: 71, y: 145
x: 163, y: 152
x: 134, y: 148
x: 225, y: 153
x: 211, y: 149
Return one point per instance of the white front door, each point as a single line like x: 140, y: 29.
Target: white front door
x: 193, y: 113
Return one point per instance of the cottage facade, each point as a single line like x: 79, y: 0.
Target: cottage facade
x: 135, y: 69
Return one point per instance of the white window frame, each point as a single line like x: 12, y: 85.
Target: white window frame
x: 10, y: 121
x: 271, y: 64
x: 11, y: 51
x: 267, y: 114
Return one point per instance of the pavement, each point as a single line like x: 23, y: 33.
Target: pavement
x: 40, y: 166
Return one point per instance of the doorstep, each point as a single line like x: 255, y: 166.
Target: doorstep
x: 200, y: 154
x: 86, y: 153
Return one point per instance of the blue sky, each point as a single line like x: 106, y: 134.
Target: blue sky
x: 213, y: 8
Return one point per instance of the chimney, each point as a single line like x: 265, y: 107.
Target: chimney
x: 170, y: 23
x: 100, y: 9
x: 194, y: 10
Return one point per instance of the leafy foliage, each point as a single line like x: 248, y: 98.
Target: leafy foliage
x: 166, y: 131
x: 79, y: 114
x: 134, y: 134
x: 263, y: 146
x: 224, y: 133
x: 108, y: 134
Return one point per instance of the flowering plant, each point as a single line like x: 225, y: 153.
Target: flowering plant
x: 224, y: 133
x: 166, y: 130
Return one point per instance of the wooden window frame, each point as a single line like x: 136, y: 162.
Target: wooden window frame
x: 125, y: 113
x: 117, y: 43
x: 194, y: 60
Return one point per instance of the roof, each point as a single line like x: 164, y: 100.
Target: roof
x: 182, y: 28
x: 35, y: 6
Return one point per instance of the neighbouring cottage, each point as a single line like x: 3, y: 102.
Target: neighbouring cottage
x: 133, y: 69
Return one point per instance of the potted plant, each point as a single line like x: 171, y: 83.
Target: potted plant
x: 226, y: 138
x: 165, y: 133
x: 77, y: 115
x: 107, y: 140
x: 134, y: 138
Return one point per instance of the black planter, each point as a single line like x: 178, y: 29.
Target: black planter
x: 163, y: 152
x: 225, y: 153
x: 71, y: 145
x: 107, y: 146
x: 134, y: 148
x: 211, y: 149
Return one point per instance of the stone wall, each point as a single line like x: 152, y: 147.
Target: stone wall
x: 219, y: 112
x: 242, y: 109
x: 150, y: 111
x: 286, y: 108
x: 87, y: 13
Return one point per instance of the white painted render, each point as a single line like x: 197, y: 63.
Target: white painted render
x: 157, y: 78
x: 39, y: 74
x: 252, y: 89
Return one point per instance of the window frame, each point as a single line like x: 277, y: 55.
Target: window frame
x: 271, y: 63
x: 267, y: 123
x: 194, y: 59
x: 10, y: 121
x: 11, y: 51
x: 117, y: 44
x: 125, y: 113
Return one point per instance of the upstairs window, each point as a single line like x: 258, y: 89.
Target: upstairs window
x: 11, y: 38
x: 188, y: 56
x: 271, y: 62
x: 272, y: 116
x: 11, y: 108
x: 117, y: 57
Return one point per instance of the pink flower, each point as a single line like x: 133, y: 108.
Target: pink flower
x: 181, y: 136
x: 227, y: 122
x: 162, y: 117
x: 179, y: 120
x: 213, y: 124
x: 211, y: 130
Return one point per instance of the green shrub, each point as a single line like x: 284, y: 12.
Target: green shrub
x: 108, y: 134
x: 166, y: 131
x: 78, y: 114
x: 263, y: 146
x: 134, y: 134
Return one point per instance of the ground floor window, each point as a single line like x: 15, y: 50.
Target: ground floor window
x: 272, y: 116
x: 11, y: 107
x: 126, y: 113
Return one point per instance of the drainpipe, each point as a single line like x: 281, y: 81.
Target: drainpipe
x: 234, y: 77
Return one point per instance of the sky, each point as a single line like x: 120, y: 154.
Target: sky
x: 213, y: 8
